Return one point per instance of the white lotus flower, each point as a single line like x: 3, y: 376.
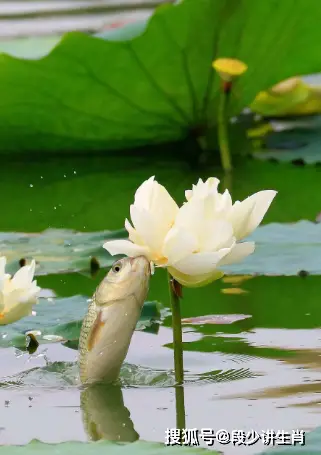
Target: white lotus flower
x: 18, y: 293
x: 207, y: 229
x: 153, y: 214
x: 197, y: 239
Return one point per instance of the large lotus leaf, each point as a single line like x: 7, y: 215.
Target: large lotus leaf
x: 90, y: 93
x: 101, y: 447
x: 59, y: 320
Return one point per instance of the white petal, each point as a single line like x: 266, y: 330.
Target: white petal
x: 200, y: 263
x: 24, y: 276
x: 178, y: 244
x: 162, y: 205
x: 125, y: 247
x: 153, y: 225
x: 190, y: 216
x: 195, y: 281
x: 245, y: 216
x: 223, y: 202
x: 2, y: 306
x: 154, y: 198
x: 3, y: 261
x: 263, y: 200
x: 202, y: 189
x: 216, y: 234
x: 132, y: 234
x: 238, y: 253
x: 143, y: 193
x: 147, y: 228
x: 16, y: 312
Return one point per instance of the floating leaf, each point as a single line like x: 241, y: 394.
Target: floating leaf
x: 90, y: 93
x: 283, y: 249
x: 47, y: 326
x: 293, y: 147
x: 297, y: 140
x: 216, y: 319
x: 58, y: 250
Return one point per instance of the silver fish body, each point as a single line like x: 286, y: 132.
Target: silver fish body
x: 111, y: 319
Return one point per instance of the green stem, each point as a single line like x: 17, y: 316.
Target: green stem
x: 180, y: 407
x: 223, y: 131
x: 178, y: 354
x: 177, y: 333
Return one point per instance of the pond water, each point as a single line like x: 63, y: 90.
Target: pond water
x: 259, y: 373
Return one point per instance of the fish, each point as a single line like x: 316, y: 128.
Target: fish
x: 111, y: 319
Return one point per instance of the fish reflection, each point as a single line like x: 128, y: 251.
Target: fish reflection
x: 104, y: 414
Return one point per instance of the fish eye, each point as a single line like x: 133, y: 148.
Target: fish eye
x: 116, y: 267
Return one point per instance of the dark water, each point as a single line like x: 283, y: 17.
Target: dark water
x: 257, y: 373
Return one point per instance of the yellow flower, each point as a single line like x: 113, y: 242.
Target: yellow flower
x: 229, y: 68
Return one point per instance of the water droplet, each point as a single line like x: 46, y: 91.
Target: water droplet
x: 124, y: 424
x: 31, y: 185
x: 55, y: 208
x: 65, y: 175
x: 41, y: 177
x: 30, y: 210
x: 75, y: 172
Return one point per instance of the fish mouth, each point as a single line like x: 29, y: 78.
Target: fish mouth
x: 139, y: 263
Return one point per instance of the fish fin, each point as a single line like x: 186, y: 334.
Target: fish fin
x: 94, y: 333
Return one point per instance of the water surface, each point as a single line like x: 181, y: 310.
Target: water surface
x: 258, y: 373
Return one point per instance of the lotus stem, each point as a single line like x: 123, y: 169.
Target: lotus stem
x: 180, y: 407
x: 223, y: 129
x: 177, y: 330
x: 175, y: 294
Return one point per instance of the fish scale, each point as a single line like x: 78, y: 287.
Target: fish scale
x: 111, y: 319
x: 87, y: 324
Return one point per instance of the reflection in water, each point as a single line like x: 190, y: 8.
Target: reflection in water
x: 104, y: 414
x: 180, y: 407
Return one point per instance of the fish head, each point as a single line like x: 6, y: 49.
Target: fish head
x: 127, y: 277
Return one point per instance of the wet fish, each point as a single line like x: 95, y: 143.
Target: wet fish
x: 111, y: 319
